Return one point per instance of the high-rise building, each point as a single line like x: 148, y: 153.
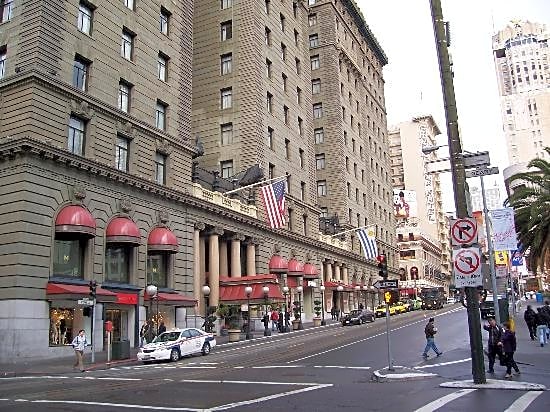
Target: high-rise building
x: 422, y: 226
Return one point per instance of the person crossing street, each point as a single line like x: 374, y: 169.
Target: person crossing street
x: 430, y: 330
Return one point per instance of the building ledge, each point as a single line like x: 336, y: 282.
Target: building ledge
x: 224, y: 201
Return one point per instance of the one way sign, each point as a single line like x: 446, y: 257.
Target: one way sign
x: 386, y: 284
x: 463, y: 231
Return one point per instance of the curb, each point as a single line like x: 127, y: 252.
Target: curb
x: 400, y: 373
x: 494, y: 384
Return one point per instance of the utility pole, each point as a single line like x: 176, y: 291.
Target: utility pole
x: 459, y: 178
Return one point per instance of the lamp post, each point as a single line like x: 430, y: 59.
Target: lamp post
x: 372, y: 290
x: 206, y: 293
x: 340, y: 288
x: 152, y: 292
x: 267, y: 331
x: 322, y: 288
x: 358, y: 290
x: 285, y: 292
x: 248, y: 291
x: 366, y: 290
x: 300, y: 289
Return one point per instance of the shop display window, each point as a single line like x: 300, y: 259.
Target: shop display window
x: 68, y: 258
x: 61, y: 326
x: 117, y: 263
x: 157, y: 269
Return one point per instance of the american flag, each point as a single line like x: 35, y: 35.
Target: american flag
x: 367, y: 238
x: 273, y: 197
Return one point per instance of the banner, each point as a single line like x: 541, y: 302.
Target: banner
x: 504, y: 229
x: 517, y: 258
x: 405, y: 204
x: 501, y: 258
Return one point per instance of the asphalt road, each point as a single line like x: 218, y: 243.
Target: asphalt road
x: 322, y: 369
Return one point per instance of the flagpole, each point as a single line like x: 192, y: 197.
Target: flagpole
x: 255, y: 184
x: 350, y: 230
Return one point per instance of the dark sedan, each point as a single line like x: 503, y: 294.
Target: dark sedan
x: 358, y: 317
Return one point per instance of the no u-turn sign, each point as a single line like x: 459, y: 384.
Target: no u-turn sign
x: 467, y: 267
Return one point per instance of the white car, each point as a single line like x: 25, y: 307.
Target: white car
x: 174, y: 344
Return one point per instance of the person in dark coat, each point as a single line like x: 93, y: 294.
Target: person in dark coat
x: 430, y: 330
x: 530, y: 318
x: 542, y: 324
x: 162, y: 328
x: 494, y: 344
x: 280, y: 322
x: 509, y: 347
x: 332, y: 313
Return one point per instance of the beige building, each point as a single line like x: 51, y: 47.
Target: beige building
x: 423, y: 231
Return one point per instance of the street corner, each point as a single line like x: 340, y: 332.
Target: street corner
x: 494, y: 384
x: 400, y: 373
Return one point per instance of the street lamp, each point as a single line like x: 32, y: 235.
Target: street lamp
x: 300, y: 289
x: 152, y: 292
x: 267, y: 331
x: 322, y: 288
x: 358, y: 290
x: 373, y: 293
x: 248, y: 291
x: 340, y: 288
x: 206, y: 293
x: 366, y: 289
x: 285, y: 292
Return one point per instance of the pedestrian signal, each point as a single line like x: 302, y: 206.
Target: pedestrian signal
x: 387, y: 297
x: 391, y: 297
x: 382, y: 266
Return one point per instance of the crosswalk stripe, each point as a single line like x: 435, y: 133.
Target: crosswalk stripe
x: 438, y: 403
x: 523, y: 402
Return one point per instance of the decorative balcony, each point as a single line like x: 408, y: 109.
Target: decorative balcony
x: 333, y: 241
x: 224, y: 201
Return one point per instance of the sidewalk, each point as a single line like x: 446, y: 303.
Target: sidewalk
x: 64, y: 365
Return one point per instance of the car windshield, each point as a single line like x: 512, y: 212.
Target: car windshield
x: 355, y: 313
x: 167, y: 337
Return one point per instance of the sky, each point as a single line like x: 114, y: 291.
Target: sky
x: 412, y: 83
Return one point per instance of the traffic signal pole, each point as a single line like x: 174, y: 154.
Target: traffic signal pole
x: 390, y: 357
x: 93, y: 286
x: 459, y: 179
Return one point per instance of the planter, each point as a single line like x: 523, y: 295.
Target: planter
x: 234, y: 335
x: 295, y: 324
x: 316, y: 322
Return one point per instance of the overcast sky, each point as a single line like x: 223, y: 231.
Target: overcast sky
x: 404, y: 30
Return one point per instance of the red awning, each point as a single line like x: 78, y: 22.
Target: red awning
x: 236, y: 294
x: 278, y: 264
x: 123, y: 230
x: 162, y: 239
x: 174, y: 299
x: 295, y: 267
x: 334, y: 285
x: 245, y: 280
x: 74, y: 292
x: 75, y: 219
x: 310, y: 270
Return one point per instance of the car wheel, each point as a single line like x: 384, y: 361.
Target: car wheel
x: 206, y: 348
x: 175, y: 355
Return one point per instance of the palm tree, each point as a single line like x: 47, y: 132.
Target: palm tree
x: 531, y: 204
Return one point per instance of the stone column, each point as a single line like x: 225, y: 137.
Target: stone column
x: 328, y: 272
x: 337, y: 272
x: 345, y: 277
x: 198, y: 275
x: 214, y: 270
x: 236, y: 255
x: 224, y: 264
x: 250, y: 257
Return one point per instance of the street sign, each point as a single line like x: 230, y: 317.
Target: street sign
x: 463, y: 231
x: 501, y: 272
x: 386, y: 284
x: 467, y: 267
x: 482, y: 171
x: 471, y: 160
x: 85, y: 302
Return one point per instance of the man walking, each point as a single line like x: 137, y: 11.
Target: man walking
x: 79, y: 343
x: 494, y: 343
x: 274, y: 319
x: 430, y: 330
x: 530, y: 318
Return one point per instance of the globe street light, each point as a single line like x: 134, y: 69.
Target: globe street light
x: 267, y: 331
x: 248, y: 291
x: 300, y: 289
x: 285, y: 292
x: 206, y: 293
x: 322, y: 288
x: 152, y: 292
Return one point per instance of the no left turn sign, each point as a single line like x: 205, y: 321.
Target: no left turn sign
x: 463, y: 231
x: 467, y: 267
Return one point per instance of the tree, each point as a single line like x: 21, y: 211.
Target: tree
x: 531, y: 204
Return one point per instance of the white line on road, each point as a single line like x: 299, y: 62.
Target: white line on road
x: 443, y: 364
x: 438, y: 403
x: 523, y: 402
x: 272, y: 367
x: 119, y: 405
x: 247, y: 382
x: 343, y: 367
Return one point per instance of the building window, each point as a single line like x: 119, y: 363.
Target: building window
x: 267, y: 36
x: 300, y: 126
x: 321, y: 188
x: 269, y: 102
x: 316, y: 86
x: 267, y: 6
x: 284, y: 78
x: 160, y: 168
x: 158, y: 268
x: 160, y: 115
x: 271, y: 171
x: 226, y: 168
x: 80, y: 73
x: 62, y: 324
x: 77, y: 128
x: 226, y: 95
x: 283, y: 52
x: 298, y: 65
x: 3, y: 54
x: 6, y: 10
x: 302, y: 191
x: 121, y: 153
x: 124, y: 89
x: 313, y: 40
x: 68, y: 258
x: 127, y: 46
x: 225, y: 4
x: 270, y: 134
x: 318, y: 110
x: 226, y: 30
x: 164, y: 20
x: 286, y: 115
x: 226, y: 131
x: 312, y: 19
x: 130, y: 4
x: 296, y: 37
x: 320, y: 161
x: 268, y: 66
x: 117, y: 263
x: 226, y: 61
x: 301, y: 158
x: 162, y: 67
x: 319, y: 135
x: 315, y: 62
x: 287, y: 148
x: 283, y: 22
x: 85, y: 15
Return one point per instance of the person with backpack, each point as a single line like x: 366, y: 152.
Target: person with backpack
x: 509, y: 347
x: 530, y: 318
x: 494, y: 343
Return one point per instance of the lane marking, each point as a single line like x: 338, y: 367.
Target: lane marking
x: 273, y: 367
x: 523, y: 401
x: 343, y: 367
x: 119, y: 405
x: 443, y: 364
x: 438, y: 403
x: 247, y: 382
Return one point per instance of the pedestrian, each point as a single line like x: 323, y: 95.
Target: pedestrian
x: 509, y: 347
x: 430, y: 330
x: 143, y: 333
x: 332, y: 313
x: 265, y: 321
x: 78, y: 344
x: 161, y: 329
x: 546, y: 310
x: 280, y: 323
x: 287, y: 320
x: 274, y: 319
x: 530, y: 318
x: 542, y: 326
x: 337, y: 314
x: 494, y: 343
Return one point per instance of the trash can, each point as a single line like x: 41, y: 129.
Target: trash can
x: 539, y: 297
x: 121, y: 349
x: 503, y: 310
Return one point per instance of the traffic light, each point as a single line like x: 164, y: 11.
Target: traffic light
x: 93, y: 287
x: 382, y: 266
x: 391, y: 297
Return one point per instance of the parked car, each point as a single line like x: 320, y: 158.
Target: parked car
x: 380, y: 311
x: 416, y: 304
x: 358, y: 317
x: 174, y: 344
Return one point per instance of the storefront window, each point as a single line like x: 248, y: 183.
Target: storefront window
x: 117, y: 264
x: 69, y: 258
x: 61, y: 326
x: 157, y: 269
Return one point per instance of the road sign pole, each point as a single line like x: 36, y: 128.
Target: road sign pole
x: 390, y: 360
x: 93, y: 330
